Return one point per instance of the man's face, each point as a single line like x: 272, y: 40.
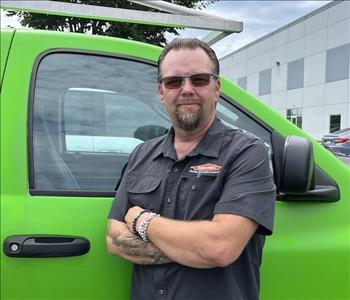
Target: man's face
x: 189, y: 107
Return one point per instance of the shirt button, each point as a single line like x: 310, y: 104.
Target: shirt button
x: 194, y: 187
x: 160, y: 292
x: 169, y: 200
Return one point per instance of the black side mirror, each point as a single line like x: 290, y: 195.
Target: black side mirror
x: 297, y: 166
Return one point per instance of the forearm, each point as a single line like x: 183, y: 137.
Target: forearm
x: 123, y: 243
x: 202, y: 244
x: 191, y: 243
x: 198, y: 244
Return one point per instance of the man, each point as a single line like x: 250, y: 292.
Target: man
x: 194, y: 205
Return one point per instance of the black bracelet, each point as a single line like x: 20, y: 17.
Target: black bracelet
x: 137, y: 216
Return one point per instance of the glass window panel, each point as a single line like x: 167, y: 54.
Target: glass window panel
x: 265, y: 82
x: 89, y: 114
x: 337, y: 63
x: 299, y: 122
x: 295, y: 74
x: 334, y: 122
x: 242, y: 82
x: 294, y: 115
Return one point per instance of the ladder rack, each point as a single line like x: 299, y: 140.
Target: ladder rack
x: 179, y: 16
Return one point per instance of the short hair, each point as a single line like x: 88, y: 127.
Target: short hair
x: 189, y: 43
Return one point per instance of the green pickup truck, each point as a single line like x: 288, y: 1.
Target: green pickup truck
x: 72, y: 109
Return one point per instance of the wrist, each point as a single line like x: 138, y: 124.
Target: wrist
x: 143, y: 225
x: 139, y: 216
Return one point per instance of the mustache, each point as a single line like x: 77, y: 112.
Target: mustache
x: 188, y: 101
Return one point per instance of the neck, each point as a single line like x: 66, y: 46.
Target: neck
x: 186, y: 141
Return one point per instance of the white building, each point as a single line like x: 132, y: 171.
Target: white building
x: 301, y: 69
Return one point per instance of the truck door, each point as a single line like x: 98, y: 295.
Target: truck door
x: 70, y: 118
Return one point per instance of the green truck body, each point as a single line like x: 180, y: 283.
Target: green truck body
x: 43, y: 97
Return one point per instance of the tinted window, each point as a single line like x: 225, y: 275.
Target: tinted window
x: 295, y: 76
x: 89, y: 114
x: 337, y: 63
x: 242, y: 82
x: 295, y: 115
x: 334, y: 123
x: 265, y: 82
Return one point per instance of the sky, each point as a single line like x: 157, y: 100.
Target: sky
x: 259, y: 18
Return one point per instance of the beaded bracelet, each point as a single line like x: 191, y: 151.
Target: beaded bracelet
x: 142, y: 230
x: 137, y: 216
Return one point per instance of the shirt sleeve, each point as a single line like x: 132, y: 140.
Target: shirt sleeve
x: 121, y: 203
x: 249, y: 188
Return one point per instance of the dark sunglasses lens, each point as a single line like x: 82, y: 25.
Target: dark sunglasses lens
x: 172, y: 82
x: 200, y: 79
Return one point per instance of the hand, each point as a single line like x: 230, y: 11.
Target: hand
x: 123, y: 243
x: 131, y: 214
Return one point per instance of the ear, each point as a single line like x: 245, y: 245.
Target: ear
x: 161, y: 93
x: 217, y: 89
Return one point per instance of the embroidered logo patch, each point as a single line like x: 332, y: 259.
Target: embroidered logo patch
x: 206, y: 169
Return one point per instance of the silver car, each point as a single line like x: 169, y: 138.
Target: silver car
x: 338, y: 142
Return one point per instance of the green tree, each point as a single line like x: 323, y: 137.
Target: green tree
x: 145, y: 33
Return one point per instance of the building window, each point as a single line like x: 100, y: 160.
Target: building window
x: 334, y: 123
x: 295, y: 116
x: 295, y: 74
x: 242, y: 82
x: 265, y: 82
x: 337, y: 63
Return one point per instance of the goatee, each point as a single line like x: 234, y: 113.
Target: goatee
x: 190, y: 119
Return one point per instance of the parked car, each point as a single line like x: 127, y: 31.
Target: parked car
x: 72, y: 108
x: 338, y: 142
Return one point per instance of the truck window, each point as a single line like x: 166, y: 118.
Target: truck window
x: 237, y: 119
x: 89, y: 112
x: 100, y: 121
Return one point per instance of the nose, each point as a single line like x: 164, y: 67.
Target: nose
x: 187, y: 86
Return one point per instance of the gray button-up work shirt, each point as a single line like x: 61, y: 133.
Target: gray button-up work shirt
x: 227, y: 173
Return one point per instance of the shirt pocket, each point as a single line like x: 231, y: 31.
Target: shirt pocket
x: 144, y: 191
x: 198, y: 197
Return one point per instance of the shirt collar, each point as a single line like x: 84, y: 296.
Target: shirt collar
x: 210, y: 144
x: 166, y: 148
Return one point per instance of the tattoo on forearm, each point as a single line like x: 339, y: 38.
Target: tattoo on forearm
x: 132, y: 245
x: 161, y: 258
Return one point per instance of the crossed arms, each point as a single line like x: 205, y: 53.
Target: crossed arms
x: 198, y: 244
x: 127, y: 245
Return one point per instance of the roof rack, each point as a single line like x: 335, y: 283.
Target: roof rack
x: 179, y: 16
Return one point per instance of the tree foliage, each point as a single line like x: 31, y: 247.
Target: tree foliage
x: 144, y: 33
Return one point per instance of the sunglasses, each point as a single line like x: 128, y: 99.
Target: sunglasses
x: 197, y: 80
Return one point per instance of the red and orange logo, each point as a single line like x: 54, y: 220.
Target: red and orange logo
x: 206, y: 169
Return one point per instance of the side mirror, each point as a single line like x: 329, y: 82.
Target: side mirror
x: 297, y: 166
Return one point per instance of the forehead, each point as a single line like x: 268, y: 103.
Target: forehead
x: 186, y: 61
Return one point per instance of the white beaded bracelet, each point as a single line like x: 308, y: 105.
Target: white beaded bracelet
x: 142, y: 229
